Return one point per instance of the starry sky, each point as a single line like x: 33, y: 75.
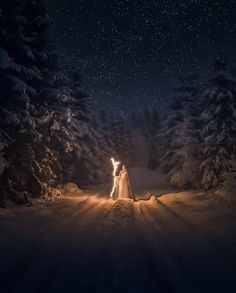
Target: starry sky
x: 131, y: 52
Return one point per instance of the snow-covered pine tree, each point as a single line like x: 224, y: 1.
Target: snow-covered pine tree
x: 218, y: 125
x: 19, y: 77
x: 178, y: 139
x: 45, y: 123
x: 80, y: 148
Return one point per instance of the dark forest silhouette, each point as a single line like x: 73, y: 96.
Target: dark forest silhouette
x: 51, y: 133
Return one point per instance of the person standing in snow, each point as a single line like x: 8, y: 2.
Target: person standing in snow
x: 123, y: 185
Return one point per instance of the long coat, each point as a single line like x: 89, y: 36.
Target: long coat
x: 123, y: 187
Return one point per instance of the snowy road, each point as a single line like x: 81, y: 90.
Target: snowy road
x: 93, y: 244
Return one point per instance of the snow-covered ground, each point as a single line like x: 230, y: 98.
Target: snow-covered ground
x: 179, y: 242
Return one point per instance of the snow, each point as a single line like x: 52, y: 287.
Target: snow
x: 28, y: 52
x: 18, y: 84
x: 3, y: 164
x: 179, y: 242
x: 5, y: 60
x: 205, y: 213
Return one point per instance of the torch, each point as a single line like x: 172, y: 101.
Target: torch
x: 115, y: 165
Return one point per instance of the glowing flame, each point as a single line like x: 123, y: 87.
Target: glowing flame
x: 115, y: 167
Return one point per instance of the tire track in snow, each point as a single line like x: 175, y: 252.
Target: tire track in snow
x: 137, y: 266
x: 114, y: 248
x: 126, y: 264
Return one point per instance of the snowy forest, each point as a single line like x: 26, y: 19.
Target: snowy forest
x: 48, y: 131
x: 117, y: 146
x: 51, y: 132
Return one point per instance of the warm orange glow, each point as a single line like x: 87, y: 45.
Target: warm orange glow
x: 115, y: 166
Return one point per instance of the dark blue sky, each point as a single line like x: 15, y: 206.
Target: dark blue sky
x: 130, y: 53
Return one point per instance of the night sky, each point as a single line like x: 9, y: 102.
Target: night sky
x: 131, y: 52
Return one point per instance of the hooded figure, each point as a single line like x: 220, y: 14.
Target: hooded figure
x: 123, y: 185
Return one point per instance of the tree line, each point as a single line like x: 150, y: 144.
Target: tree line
x: 196, y: 140
x: 49, y: 131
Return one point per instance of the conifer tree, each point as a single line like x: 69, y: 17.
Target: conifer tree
x: 178, y: 139
x: 218, y: 125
